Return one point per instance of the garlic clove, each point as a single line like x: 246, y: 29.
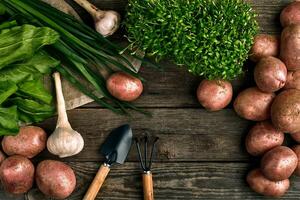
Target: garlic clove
x: 65, y: 142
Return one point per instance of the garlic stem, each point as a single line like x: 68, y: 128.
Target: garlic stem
x: 106, y: 22
x: 64, y: 141
x: 62, y: 120
x: 90, y: 8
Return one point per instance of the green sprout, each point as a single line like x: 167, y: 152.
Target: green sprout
x: 211, y: 38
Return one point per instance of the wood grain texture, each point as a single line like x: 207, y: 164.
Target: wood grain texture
x: 182, y: 181
x: 97, y: 183
x: 200, y: 155
x: 185, y: 134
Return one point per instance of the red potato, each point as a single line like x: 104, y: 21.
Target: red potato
x: 253, y: 104
x: 2, y: 157
x: 293, y: 80
x: 260, y: 184
x: 214, y: 95
x: 29, y: 142
x: 290, y: 14
x: 17, y: 174
x: 55, y: 179
x: 264, y: 45
x: 279, y: 163
x: 270, y: 74
x: 263, y: 137
x: 285, y: 111
x: 290, y: 47
x: 124, y: 87
x: 296, y: 149
x: 296, y: 137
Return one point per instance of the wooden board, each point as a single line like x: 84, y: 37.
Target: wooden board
x: 182, y: 181
x: 201, y: 155
x: 185, y: 134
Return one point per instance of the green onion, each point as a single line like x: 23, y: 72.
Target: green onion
x: 81, y: 49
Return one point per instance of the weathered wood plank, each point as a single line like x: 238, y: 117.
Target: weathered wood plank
x: 185, y: 134
x: 174, y: 181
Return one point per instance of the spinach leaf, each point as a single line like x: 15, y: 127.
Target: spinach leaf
x: 34, y: 90
x: 42, y: 62
x: 21, y: 42
x: 31, y: 69
x: 7, y: 88
x: 34, y: 110
x: 8, y: 24
x: 19, y: 73
x: 9, y: 121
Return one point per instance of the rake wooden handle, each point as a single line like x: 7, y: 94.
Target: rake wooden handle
x: 148, y: 186
x: 97, y: 182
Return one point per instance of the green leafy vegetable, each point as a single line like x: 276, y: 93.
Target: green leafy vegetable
x: 34, y: 89
x: 33, y: 68
x: 8, y: 24
x: 22, y: 93
x: 211, y: 37
x: 33, y: 110
x: 21, y: 42
x: 41, y: 61
x: 7, y: 88
x: 9, y: 121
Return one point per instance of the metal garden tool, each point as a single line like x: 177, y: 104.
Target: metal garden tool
x: 115, y: 149
x: 146, y: 165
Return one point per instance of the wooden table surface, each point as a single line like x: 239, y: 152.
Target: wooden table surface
x: 201, y: 155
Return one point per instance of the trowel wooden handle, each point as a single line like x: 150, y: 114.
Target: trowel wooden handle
x: 148, y: 186
x: 97, y: 182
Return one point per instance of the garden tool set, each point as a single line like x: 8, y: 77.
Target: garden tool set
x: 115, y: 150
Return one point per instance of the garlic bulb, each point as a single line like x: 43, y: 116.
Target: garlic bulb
x: 106, y: 22
x: 64, y: 141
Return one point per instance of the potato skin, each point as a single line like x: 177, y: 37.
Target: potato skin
x: 214, y: 95
x: 290, y: 47
x: 29, y: 142
x: 262, y: 137
x: 55, y: 179
x: 17, y: 174
x: 296, y: 149
x: 290, y: 14
x: 253, y: 104
x: 279, y: 163
x: 2, y: 157
x: 293, y: 80
x: 285, y: 111
x: 264, y: 45
x: 262, y: 185
x: 296, y: 136
x: 124, y: 86
x: 270, y: 74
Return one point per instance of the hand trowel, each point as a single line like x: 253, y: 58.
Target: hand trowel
x: 115, y: 149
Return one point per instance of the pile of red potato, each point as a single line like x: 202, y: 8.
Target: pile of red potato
x: 274, y: 104
x: 17, y: 173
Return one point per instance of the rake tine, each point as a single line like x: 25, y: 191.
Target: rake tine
x: 152, y: 152
x: 139, y: 153
x: 146, y: 152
